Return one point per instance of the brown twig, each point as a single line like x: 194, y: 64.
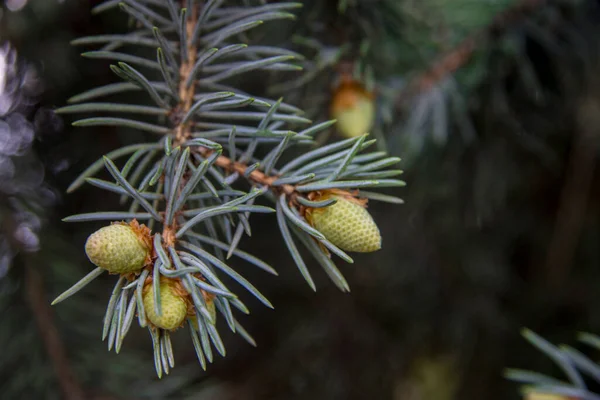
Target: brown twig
x: 35, y: 296
x: 461, y: 54
x: 255, y: 176
x: 186, y: 92
x: 574, y: 196
x: 183, y: 131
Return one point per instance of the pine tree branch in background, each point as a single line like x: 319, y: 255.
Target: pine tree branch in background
x: 43, y: 315
x: 574, y: 196
x: 461, y: 54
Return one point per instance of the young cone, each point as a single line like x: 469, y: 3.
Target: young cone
x: 347, y: 224
x: 173, y: 307
x: 118, y: 248
x: 353, y: 107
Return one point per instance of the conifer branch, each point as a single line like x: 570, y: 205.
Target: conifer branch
x: 187, y: 92
x: 573, y: 364
x: 184, y: 129
x: 171, y: 278
x: 574, y: 197
x: 460, y: 55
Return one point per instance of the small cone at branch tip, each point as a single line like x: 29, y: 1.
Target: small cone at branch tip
x: 346, y: 223
x: 173, y: 306
x: 119, y: 248
x: 547, y: 396
x: 354, y: 108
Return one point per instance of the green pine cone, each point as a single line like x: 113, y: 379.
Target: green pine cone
x: 117, y: 248
x: 173, y: 307
x: 348, y: 225
x: 357, y: 120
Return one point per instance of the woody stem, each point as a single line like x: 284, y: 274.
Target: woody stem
x: 183, y: 131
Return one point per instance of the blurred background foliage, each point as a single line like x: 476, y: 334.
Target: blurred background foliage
x: 494, y: 105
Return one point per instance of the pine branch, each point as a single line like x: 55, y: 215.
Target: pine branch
x: 460, y: 55
x: 570, y: 218
x: 187, y: 92
x: 184, y: 130
x: 171, y: 278
x: 573, y: 364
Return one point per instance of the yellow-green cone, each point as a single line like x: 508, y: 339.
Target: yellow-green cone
x: 117, y: 248
x: 353, y: 106
x: 347, y: 225
x: 356, y: 120
x: 173, y: 307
